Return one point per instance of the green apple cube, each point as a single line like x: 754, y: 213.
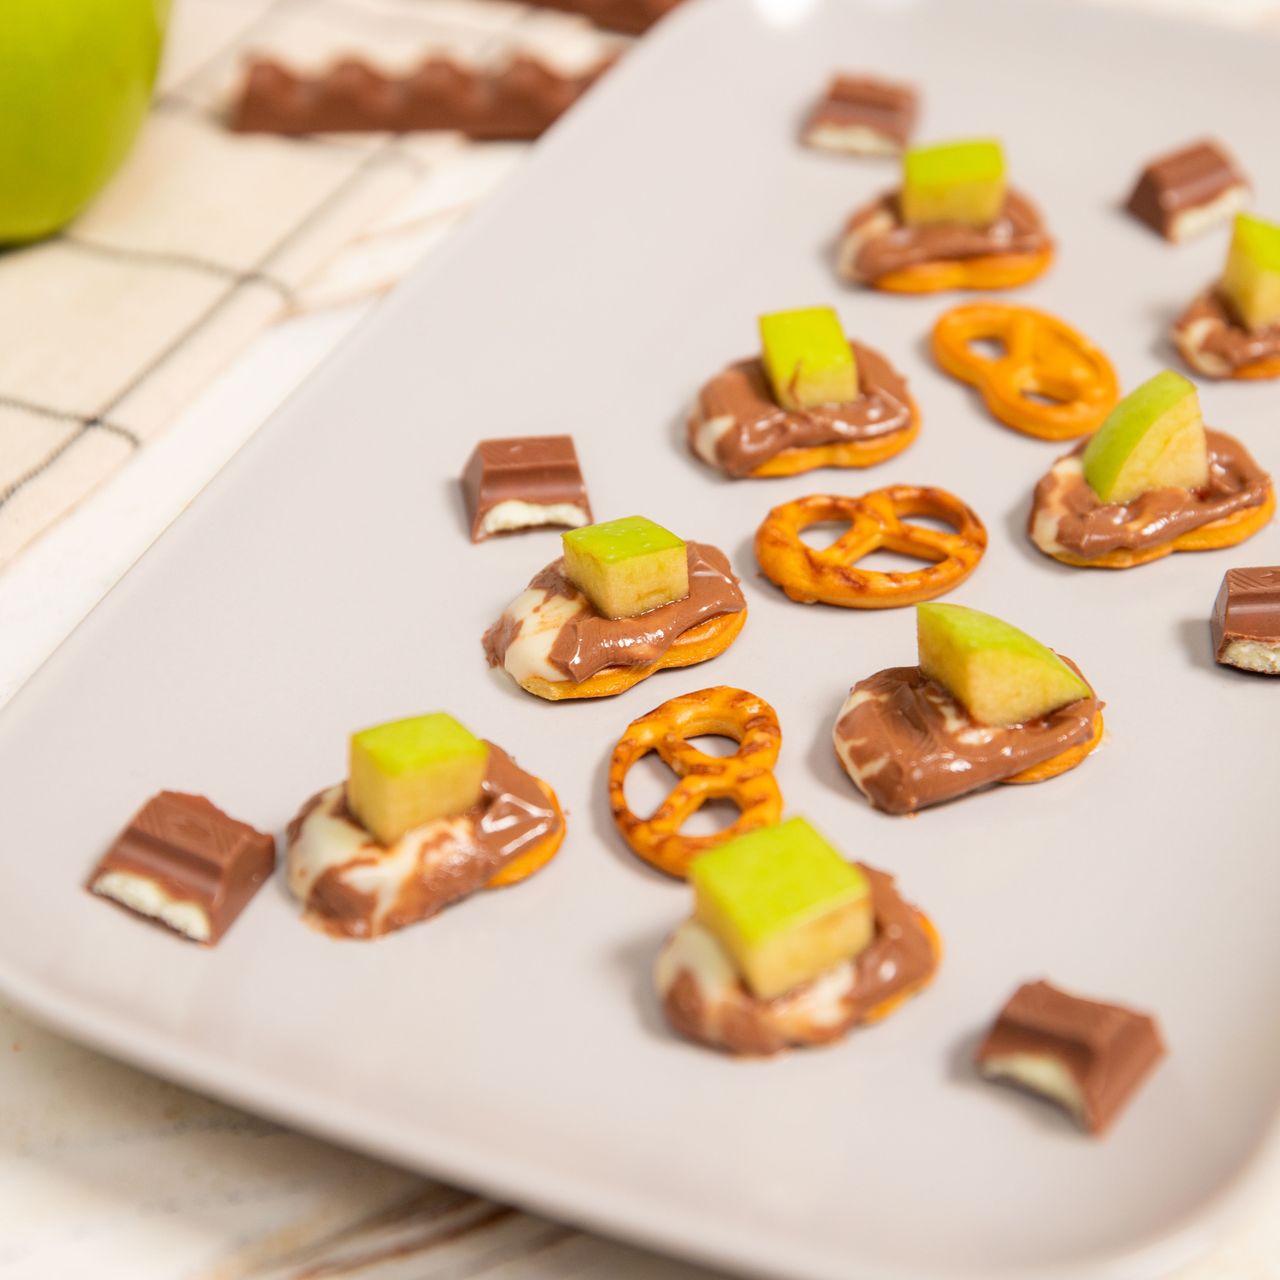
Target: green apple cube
x: 1153, y: 439
x: 1000, y: 675
x: 1251, y: 281
x: 783, y: 904
x: 410, y: 772
x: 626, y: 567
x: 953, y: 182
x: 808, y: 359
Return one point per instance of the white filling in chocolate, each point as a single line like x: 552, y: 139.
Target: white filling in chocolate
x: 1194, y: 222
x: 1040, y: 1073
x: 852, y: 241
x: 515, y: 514
x: 539, y: 618
x: 708, y: 434
x: 149, y: 899
x: 694, y: 950
x: 1252, y: 655
x: 1190, y: 343
x: 327, y: 841
x: 1044, y: 528
x: 851, y: 139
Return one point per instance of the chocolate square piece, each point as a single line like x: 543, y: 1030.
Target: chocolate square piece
x: 860, y: 115
x: 533, y: 482
x: 1087, y: 1056
x: 1246, y: 620
x: 182, y: 862
x: 1181, y: 194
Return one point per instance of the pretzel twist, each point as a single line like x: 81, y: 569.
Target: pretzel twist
x: 1042, y: 357
x: 746, y: 777
x: 877, y: 521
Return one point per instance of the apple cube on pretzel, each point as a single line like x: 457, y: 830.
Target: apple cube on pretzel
x: 410, y: 772
x: 626, y: 567
x: 960, y: 182
x: 783, y: 904
x: 808, y: 358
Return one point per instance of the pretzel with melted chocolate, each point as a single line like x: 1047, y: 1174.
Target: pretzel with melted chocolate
x: 707, y: 640
x: 1042, y: 357
x: 876, y: 522
x: 746, y: 777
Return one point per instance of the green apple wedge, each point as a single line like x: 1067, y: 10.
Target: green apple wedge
x: 75, y: 84
x: 1153, y: 439
x: 1251, y: 281
x: 784, y: 904
x: 1000, y: 675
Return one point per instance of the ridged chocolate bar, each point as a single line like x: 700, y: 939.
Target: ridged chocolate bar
x: 1246, y: 620
x: 184, y: 863
x: 1187, y: 191
x: 1088, y: 1056
x: 862, y: 115
x: 516, y: 102
x: 530, y: 482
x: 632, y: 17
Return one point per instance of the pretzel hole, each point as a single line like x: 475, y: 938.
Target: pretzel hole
x: 714, y: 744
x: 1040, y: 395
x: 882, y: 561
x: 712, y: 817
x: 988, y: 348
x: 821, y: 535
x: 647, y: 784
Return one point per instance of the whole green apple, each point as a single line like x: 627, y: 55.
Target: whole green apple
x: 75, y: 83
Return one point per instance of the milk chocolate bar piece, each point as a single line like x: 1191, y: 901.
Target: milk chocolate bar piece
x: 182, y: 862
x: 516, y: 102
x: 1181, y: 194
x: 632, y: 17
x: 860, y: 115
x: 532, y: 482
x: 1087, y: 1056
x: 1246, y: 620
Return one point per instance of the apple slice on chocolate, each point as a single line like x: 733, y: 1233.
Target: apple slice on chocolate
x: 987, y: 703
x: 808, y: 359
x: 626, y: 567
x: 783, y: 904
x: 789, y: 945
x: 960, y: 182
x: 1153, y: 439
x: 1153, y: 479
x: 410, y: 772
x: 1251, y: 281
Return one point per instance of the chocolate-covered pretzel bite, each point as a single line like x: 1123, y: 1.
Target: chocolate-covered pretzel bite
x: 953, y: 224
x: 789, y: 945
x: 1150, y: 481
x: 986, y: 703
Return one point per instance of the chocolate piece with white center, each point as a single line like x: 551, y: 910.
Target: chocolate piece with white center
x: 1087, y: 1056
x: 1186, y: 192
x: 532, y: 482
x: 861, y: 115
x: 1246, y: 620
x: 184, y: 863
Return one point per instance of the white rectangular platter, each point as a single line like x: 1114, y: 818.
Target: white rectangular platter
x: 325, y: 582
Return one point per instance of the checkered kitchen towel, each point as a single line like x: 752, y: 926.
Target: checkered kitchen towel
x: 205, y: 236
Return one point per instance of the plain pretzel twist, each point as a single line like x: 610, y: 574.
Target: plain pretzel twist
x: 1042, y: 357
x: 746, y: 777
x: 876, y: 522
